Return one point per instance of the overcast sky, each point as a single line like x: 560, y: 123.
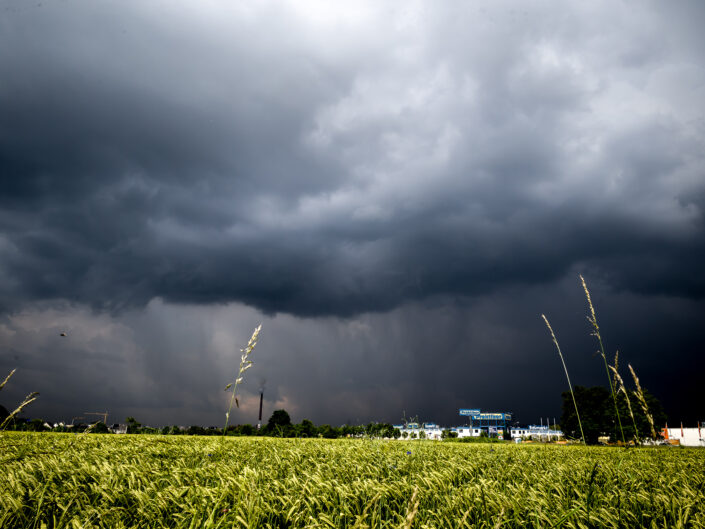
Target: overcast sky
x: 395, y: 190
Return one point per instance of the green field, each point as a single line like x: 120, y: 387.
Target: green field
x: 64, y: 480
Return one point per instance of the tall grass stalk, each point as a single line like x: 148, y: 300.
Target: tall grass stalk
x: 642, y: 401
x: 570, y: 386
x: 596, y: 332
x: 8, y: 377
x: 619, y: 384
x: 27, y: 400
x: 245, y: 364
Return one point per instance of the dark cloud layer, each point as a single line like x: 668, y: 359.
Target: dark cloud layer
x: 368, y: 164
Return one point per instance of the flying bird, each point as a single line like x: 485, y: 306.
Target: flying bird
x: 63, y: 334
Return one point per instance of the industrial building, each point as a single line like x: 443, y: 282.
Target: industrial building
x: 493, y: 424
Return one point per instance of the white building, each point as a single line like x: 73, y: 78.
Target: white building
x: 466, y: 431
x: 686, y: 436
x: 536, y: 433
x: 414, y: 430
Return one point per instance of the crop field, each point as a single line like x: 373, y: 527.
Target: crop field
x: 64, y: 480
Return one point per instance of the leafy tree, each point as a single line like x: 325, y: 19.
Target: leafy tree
x: 279, y: 418
x: 306, y: 429
x: 100, y: 428
x: 348, y: 430
x: 596, y: 413
x: 598, y: 416
x: 387, y: 431
x: 246, y: 429
x: 448, y: 434
x: 642, y: 423
x: 327, y: 432
x: 195, y: 430
x: 36, y: 425
x: 132, y: 425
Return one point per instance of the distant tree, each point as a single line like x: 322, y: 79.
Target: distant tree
x: 100, y: 427
x: 195, y: 430
x: 327, y: 432
x: 347, y: 430
x: 175, y: 430
x: 358, y: 430
x: 598, y: 417
x: 642, y: 423
x: 448, y: 434
x: 397, y: 433
x: 132, y: 425
x: 246, y: 429
x: 279, y: 423
x: 306, y: 429
x: 387, y: 431
x: 166, y: 430
x: 36, y: 425
x: 596, y: 413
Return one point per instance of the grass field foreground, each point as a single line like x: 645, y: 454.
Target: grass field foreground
x: 64, y: 480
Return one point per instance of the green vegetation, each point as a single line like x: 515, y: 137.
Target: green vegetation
x: 598, y: 416
x: 63, y: 480
x: 598, y: 419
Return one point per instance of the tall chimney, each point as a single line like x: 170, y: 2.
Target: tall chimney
x: 261, y: 397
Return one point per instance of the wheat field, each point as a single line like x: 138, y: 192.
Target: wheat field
x: 65, y: 480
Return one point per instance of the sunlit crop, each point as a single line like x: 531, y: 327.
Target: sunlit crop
x: 64, y: 480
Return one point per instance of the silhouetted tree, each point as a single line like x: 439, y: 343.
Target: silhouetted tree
x: 132, y: 425
x: 100, y: 428
x: 196, y: 430
x: 306, y: 429
x: 598, y: 417
x: 279, y: 424
x: 327, y: 432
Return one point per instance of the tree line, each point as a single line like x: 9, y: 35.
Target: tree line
x: 278, y: 425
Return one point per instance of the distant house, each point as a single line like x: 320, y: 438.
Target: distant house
x: 118, y: 428
x: 414, y: 430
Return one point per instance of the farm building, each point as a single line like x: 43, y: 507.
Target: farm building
x: 685, y: 436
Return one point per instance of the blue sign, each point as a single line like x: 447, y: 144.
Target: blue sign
x: 465, y: 411
x: 491, y: 417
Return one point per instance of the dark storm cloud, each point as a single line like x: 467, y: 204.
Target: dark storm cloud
x: 151, y: 153
x: 401, y: 190
x: 168, y: 364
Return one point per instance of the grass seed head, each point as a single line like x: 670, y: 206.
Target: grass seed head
x: 8, y: 377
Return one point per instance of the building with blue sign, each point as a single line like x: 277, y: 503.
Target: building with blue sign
x: 492, y: 424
